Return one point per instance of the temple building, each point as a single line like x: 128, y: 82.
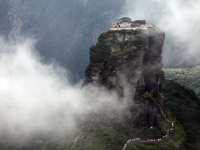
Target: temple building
x: 125, y: 23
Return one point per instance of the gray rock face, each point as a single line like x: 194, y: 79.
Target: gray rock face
x: 130, y: 62
x: 122, y: 59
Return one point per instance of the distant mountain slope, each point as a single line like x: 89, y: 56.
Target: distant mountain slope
x: 64, y: 29
x: 185, y: 106
x: 188, y: 77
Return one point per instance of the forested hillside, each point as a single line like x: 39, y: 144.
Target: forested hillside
x: 188, y: 77
x: 185, y: 106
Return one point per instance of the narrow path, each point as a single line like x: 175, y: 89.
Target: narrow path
x: 153, y: 140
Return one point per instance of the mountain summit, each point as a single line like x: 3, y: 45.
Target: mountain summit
x: 129, y: 61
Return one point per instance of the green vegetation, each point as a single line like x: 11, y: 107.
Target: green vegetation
x: 148, y: 97
x: 167, y: 144
x: 88, y: 71
x: 99, y: 53
x: 134, y: 32
x: 110, y: 137
x: 182, y: 106
x: 102, y: 51
x: 109, y: 38
x: 176, y: 139
x: 188, y: 77
x: 102, y: 137
x: 185, y: 107
x: 138, y: 42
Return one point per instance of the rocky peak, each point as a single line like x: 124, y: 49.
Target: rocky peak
x: 127, y: 57
x: 130, y: 62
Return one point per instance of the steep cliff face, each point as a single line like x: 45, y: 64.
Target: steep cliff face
x: 130, y: 62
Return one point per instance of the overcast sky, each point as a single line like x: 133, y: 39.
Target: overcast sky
x: 178, y: 18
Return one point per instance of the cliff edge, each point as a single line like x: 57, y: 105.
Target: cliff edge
x: 130, y: 62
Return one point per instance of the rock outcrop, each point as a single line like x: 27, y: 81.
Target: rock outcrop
x: 130, y: 62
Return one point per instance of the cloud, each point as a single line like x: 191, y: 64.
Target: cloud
x: 38, y: 97
x: 179, y: 19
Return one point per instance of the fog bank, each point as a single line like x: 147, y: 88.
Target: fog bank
x: 37, y: 97
x: 179, y: 19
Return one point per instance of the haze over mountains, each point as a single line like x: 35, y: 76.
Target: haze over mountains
x: 64, y: 30
x: 180, y: 20
x: 44, y: 48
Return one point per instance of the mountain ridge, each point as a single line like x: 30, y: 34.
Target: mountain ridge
x: 188, y: 77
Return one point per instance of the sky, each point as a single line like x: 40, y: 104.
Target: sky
x: 180, y: 21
